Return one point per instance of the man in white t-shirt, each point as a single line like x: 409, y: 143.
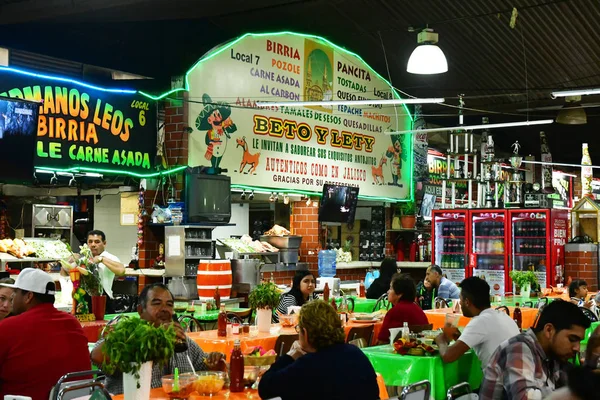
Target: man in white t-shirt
x: 484, y: 333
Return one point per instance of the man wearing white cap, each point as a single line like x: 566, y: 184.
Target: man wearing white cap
x: 40, y: 343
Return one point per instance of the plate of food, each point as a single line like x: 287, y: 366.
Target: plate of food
x: 414, y: 347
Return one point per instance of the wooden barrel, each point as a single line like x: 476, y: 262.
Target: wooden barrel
x: 213, y: 274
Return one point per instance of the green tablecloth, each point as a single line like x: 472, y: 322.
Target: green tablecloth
x: 206, y: 316
x: 398, y: 370
x: 360, y: 305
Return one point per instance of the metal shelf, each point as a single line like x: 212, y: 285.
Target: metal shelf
x: 53, y: 227
x: 198, y: 240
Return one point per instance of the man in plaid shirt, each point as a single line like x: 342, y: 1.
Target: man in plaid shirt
x: 156, y: 305
x: 535, y: 360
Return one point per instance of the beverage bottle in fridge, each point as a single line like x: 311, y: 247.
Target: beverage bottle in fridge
x: 222, y: 322
x: 517, y: 316
x: 236, y: 368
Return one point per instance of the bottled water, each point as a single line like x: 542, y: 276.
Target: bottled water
x: 327, y: 263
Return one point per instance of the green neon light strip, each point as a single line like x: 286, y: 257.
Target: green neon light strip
x: 226, y: 46
x: 113, y: 171
x: 230, y: 44
x: 307, y: 193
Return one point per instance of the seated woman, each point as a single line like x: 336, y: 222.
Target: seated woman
x: 6, y: 298
x: 402, y: 295
x: 320, y: 365
x: 380, y: 285
x: 303, y: 290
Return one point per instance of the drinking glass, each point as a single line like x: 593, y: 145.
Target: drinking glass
x: 253, y: 330
x: 452, y: 319
x: 582, y: 350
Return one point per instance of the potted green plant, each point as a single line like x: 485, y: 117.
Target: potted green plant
x: 524, y: 280
x: 264, y: 298
x: 131, y: 347
x: 407, y: 215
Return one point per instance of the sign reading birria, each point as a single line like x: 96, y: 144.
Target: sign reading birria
x: 297, y: 148
x: 83, y: 126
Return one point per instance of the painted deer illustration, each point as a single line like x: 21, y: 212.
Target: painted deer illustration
x: 377, y: 172
x: 247, y: 158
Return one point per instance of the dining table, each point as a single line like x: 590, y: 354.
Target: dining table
x: 437, y: 317
x: 209, y: 341
x: 93, y: 329
x: 403, y: 370
x: 247, y: 394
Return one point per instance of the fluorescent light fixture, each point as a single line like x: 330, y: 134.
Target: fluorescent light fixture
x: 473, y: 127
x: 349, y: 102
x: 427, y: 58
x: 579, y: 92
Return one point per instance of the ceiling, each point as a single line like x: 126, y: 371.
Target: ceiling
x: 555, y: 44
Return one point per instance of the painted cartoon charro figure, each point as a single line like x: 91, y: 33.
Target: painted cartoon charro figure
x: 394, y: 153
x: 216, y: 121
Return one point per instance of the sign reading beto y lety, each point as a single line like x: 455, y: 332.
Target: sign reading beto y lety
x: 300, y: 148
x: 83, y: 126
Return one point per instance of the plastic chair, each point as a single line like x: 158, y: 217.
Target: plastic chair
x: 382, y: 302
x: 84, y: 390
x: 461, y: 391
x: 242, y: 315
x: 541, y: 302
x: 111, y: 323
x: 364, y: 332
x: 234, y: 318
x: 440, y: 302
x: 66, y: 381
x: 589, y: 313
x: 527, y: 304
x: 417, y: 391
x: 284, y: 343
x: 190, y: 324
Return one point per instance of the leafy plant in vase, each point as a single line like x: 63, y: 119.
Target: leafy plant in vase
x: 264, y: 298
x: 132, y: 346
x: 525, y: 280
x: 408, y: 218
x: 86, y: 279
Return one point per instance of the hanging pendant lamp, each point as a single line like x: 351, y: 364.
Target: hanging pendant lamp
x: 427, y: 58
x: 572, y: 113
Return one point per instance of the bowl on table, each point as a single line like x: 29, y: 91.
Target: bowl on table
x: 186, y: 385
x: 208, y: 383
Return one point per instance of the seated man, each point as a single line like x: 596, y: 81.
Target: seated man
x: 40, y: 343
x: 536, y: 360
x: 484, y: 333
x: 156, y: 306
x: 320, y: 365
x: 442, y: 287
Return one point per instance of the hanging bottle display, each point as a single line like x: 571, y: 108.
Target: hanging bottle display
x: 586, y: 172
x: 420, y: 145
x: 546, y: 169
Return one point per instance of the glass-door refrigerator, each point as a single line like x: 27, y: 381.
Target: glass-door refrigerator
x: 537, y: 243
x: 450, y: 232
x: 487, y: 245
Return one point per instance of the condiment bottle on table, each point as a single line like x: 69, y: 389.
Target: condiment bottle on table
x: 236, y: 368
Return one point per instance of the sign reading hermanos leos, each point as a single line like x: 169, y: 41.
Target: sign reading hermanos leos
x: 300, y: 148
x: 83, y: 126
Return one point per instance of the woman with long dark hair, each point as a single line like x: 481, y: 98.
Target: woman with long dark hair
x: 303, y: 290
x: 382, y: 284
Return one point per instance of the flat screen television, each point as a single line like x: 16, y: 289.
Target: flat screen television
x: 18, y: 133
x: 338, y: 204
x: 207, y: 198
